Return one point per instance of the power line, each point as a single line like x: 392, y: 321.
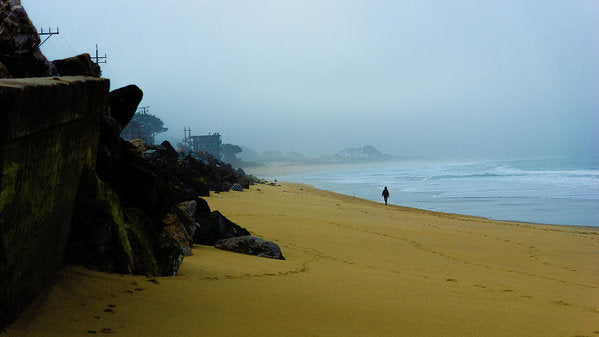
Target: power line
x: 49, y: 33
x: 68, y: 45
x: 99, y: 59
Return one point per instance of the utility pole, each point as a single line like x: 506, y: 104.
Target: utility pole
x: 49, y: 33
x: 143, y: 110
x: 187, y: 136
x: 99, y: 59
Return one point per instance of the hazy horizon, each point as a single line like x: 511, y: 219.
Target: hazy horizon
x: 428, y: 78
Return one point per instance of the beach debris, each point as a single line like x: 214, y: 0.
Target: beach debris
x: 251, y: 245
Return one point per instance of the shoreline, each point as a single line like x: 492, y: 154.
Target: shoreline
x: 493, y: 210
x: 353, y: 267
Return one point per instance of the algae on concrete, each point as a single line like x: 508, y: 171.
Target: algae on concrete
x: 48, y: 132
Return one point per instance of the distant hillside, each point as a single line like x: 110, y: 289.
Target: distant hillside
x: 249, y: 155
x: 367, y: 152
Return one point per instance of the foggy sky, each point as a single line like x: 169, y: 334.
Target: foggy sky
x: 467, y: 78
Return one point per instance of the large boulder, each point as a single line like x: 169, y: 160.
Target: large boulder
x: 19, y: 44
x: 123, y: 104
x: 251, y: 245
x: 80, y: 65
x: 108, y: 237
x: 214, y: 226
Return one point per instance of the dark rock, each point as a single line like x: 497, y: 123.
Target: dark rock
x: 107, y: 237
x: 202, y: 207
x: 123, y: 104
x: 140, y: 145
x: 189, y: 207
x: 175, y: 228
x: 214, y: 226
x: 4, y: 73
x: 251, y: 245
x: 244, y: 182
x: 80, y: 65
x: 170, y: 151
x: 135, y: 181
x: 241, y: 172
x: 19, y: 44
x: 237, y: 187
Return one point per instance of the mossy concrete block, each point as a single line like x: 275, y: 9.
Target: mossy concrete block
x: 48, y: 132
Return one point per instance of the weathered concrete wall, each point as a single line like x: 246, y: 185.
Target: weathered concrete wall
x: 48, y: 133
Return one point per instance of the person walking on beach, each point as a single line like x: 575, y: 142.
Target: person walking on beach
x: 385, y: 194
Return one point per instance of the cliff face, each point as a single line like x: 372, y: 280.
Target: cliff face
x: 48, y: 134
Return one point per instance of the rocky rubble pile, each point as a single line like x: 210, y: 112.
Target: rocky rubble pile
x: 139, y: 209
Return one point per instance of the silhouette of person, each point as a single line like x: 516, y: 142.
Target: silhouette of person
x: 386, y: 194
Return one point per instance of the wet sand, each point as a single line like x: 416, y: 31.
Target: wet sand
x: 354, y: 268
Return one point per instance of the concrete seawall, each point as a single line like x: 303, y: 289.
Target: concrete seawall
x: 48, y: 132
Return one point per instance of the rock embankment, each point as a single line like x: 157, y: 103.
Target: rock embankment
x: 71, y: 189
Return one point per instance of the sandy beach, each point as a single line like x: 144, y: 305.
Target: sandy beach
x: 354, y: 268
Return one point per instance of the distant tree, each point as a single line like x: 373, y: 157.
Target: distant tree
x: 229, y: 152
x: 370, y: 151
x: 151, y: 122
x: 144, y: 126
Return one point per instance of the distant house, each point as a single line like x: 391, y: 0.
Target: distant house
x: 210, y: 143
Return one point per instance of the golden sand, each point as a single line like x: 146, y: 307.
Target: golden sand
x: 353, y: 268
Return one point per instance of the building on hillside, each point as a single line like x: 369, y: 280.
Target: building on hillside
x: 210, y: 143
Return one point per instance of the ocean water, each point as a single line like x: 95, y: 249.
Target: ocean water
x: 562, y: 191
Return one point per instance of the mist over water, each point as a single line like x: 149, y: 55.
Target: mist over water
x: 421, y: 79
x: 464, y: 78
x: 554, y: 191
